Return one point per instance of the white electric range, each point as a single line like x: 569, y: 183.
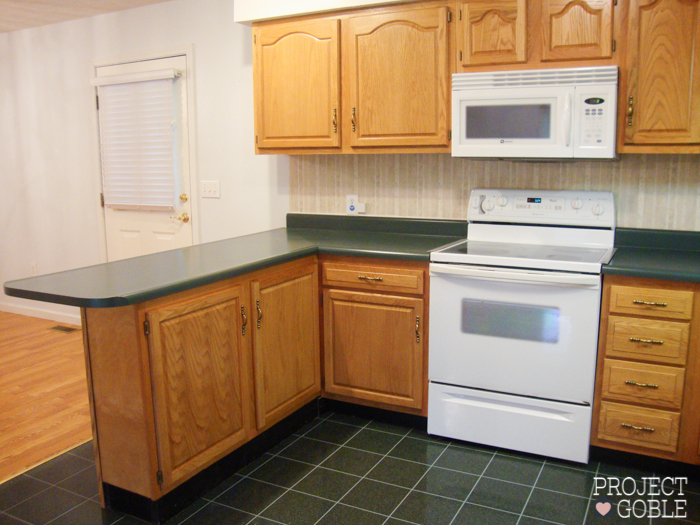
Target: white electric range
x: 514, y: 314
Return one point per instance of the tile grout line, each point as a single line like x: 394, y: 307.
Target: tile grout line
x: 522, y: 512
x: 472, y: 489
x: 416, y: 483
x: 363, y: 477
x: 590, y: 496
x: 3, y: 513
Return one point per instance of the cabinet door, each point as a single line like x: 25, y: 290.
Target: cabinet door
x: 200, y: 382
x: 663, y: 95
x: 297, y: 84
x: 396, y: 76
x: 491, y: 32
x: 286, y: 347
x: 577, y: 29
x: 374, y: 347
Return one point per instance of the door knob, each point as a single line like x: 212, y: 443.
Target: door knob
x: 184, y: 218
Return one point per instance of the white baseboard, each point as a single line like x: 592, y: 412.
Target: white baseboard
x: 43, y: 313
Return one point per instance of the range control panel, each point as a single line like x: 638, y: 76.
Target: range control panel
x: 545, y: 207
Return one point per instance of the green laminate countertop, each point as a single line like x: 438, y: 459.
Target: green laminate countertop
x: 136, y: 280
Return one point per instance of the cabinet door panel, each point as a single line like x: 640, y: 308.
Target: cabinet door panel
x: 577, y: 29
x: 286, y: 351
x: 664, y: 72
x: 199, y: 370
x: 374, y: 347
x: 397, y: 78
x: 492, y: 32
x: 297, y: 84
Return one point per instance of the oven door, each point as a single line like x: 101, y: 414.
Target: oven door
x: 523, y: 332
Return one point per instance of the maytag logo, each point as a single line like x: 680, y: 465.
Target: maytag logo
x: 647, y: 497
x: 503, y: 141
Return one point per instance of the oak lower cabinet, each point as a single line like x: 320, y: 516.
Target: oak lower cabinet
x: 648, y: 373
x: 375, y: 336
x: 286, y: 345
x: 660, y: 90
x: 177, y: 383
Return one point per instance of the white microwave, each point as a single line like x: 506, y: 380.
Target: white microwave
x: 542, y: 113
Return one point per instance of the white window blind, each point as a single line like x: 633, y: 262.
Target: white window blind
x: 137, y: 144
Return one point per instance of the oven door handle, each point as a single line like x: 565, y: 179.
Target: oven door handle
x: 579, y: 280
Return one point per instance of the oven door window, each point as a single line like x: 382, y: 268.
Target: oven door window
x: 512, y: 321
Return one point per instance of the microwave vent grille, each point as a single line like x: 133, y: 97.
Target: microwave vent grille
x: 535, y: 77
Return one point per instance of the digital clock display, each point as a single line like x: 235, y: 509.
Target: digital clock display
x: 535, y: 200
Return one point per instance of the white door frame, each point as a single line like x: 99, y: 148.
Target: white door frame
x: 188, y: 51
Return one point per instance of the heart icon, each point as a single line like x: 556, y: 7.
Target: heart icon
x: 603, y: 508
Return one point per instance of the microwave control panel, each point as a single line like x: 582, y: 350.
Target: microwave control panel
x: 585, y: 208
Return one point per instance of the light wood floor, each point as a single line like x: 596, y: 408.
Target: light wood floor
x: 43, y: 393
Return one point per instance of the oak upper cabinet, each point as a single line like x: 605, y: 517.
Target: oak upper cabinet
x: 576, y: 29
x: 199, y: 366
x: 491, y: 32
x: 286, y: 341
x: 375, y: 334
x: 661, y: 101
x: 297, y: 84
x: 396, y: 78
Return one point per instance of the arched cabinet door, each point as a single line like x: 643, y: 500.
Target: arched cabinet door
x: 297, y: 84
x: 662, y: 102
x: 577, y: 29
x: 396, y: 78
x: 490, y: 33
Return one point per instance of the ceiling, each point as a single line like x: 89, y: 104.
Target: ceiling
x: 23, y: 14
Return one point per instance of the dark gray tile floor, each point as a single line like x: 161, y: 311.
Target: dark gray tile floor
x: 345, y: 470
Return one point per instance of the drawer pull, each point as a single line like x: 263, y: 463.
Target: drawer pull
x: 417, y: 329
x: 649, y: 341
x: 650, y: 303
x: 365, y: 278
x: 644, y: 385
x: 644, y: 429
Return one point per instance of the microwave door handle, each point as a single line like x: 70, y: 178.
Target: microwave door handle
x: 489, y: 274
x: 567, y: 119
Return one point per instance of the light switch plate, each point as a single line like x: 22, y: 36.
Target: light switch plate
x: 210, y: 189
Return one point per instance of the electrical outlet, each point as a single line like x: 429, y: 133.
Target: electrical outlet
x: 351, y: 202
x: 210, y: 189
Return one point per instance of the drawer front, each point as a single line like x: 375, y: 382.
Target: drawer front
x: 648, y: 340
x: 639, y: 382
x: 378, y: 278
x: 671, y: 304
x: 645, y: 427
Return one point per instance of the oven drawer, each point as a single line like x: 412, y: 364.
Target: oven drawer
x: 646, y: 339
x: 672, y: 304
x: 645, y: 427
x: 378, y: 278
x: 639, y: 382
x: 559, y: 430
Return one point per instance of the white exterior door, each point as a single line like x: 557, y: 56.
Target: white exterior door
x: 133, y: 232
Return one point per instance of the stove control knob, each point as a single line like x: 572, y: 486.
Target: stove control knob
x: 577, y: 204
x: 502, y: 200
x: 598, y: 209
x: 487, y: 205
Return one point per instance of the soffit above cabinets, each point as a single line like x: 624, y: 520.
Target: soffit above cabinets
x: 249, y: 11
x: 21, y: 14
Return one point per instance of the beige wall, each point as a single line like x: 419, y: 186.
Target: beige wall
x: 651, y: 191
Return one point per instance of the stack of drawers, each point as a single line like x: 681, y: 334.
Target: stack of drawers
x: 644, y: 353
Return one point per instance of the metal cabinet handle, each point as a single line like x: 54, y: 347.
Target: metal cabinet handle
x: 648, y: 341
x: 365, y: 278
x: 335, y: 120
x: 352, y: 120
x: 257, y: 305
x: 630, y: 110
x: 633, y: 427
x: 245, y: 320
x: 644, y: 385
x: 417, y: 329
x: 650, y: 303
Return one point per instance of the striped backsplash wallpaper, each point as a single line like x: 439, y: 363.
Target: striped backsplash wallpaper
x: 651, y: 191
